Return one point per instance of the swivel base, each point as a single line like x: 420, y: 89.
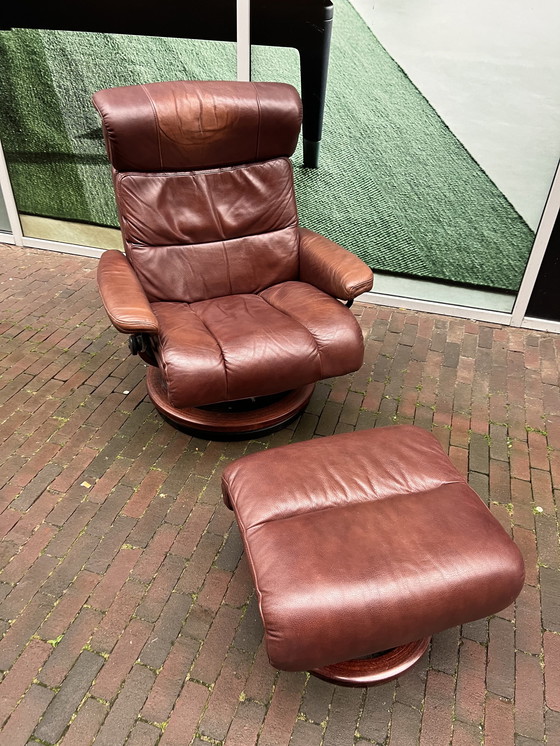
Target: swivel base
x: 376, y: 669
x: 237, y: 420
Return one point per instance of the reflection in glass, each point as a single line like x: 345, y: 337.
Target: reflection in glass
x: 51, y: 133
x: 397, y: 184
x: 4, y: 221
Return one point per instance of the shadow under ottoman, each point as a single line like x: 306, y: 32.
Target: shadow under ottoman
x: 362, y: 543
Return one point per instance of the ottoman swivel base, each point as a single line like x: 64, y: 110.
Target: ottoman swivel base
x: 375, y: 669
x: 229, y: 420
x: 362, y: 543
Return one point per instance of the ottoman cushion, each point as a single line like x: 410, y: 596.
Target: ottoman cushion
x: 364, y: 541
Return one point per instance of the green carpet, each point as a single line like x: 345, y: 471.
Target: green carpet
x: 50, y: 131
x: 394, y: 186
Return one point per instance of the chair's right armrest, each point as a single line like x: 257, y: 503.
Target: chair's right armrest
x: 123, y: 296
x: 331, y: 268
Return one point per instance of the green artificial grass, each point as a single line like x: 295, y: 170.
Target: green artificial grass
x: 394, y: 186
x: 51, y: 132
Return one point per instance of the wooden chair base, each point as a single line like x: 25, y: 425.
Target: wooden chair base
x: 236, y: 420
x: 376, y: 669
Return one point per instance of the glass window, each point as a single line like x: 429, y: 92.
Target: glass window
x: 440, y: 141
x: 4, y: 221
x: 51, y: 132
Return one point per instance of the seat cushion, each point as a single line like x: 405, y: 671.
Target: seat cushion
x: 249, y: 345
x: 362, y: 542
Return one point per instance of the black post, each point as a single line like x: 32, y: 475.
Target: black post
x: 545, y: 298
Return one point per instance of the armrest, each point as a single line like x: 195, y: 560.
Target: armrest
x: 331, y: 268
x: 122, y: 295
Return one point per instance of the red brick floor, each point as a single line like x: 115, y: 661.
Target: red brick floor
x: 127, y: 613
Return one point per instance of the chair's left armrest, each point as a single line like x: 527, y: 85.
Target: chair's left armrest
x: 331, y: 268
x: 123, y: 296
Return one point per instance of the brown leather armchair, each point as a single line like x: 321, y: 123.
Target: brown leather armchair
x: 235, y: 307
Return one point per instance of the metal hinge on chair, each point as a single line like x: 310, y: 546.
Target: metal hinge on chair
x: 138, y: 343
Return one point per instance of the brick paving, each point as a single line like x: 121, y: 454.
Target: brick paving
x: 127, y: 613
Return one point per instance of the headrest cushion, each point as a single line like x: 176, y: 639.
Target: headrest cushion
x: 186, y: 125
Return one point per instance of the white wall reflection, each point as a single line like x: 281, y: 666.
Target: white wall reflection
x: 490, y: 68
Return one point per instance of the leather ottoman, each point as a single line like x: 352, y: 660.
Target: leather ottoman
x: 363, y: 545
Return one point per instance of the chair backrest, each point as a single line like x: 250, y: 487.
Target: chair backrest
x: 204, y: 184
